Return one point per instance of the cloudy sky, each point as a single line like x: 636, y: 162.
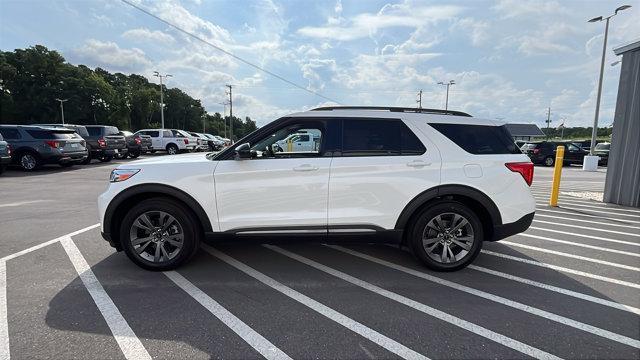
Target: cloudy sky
x: 510, y: 59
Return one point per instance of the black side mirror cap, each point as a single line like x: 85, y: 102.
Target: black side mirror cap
x: 243, y: 151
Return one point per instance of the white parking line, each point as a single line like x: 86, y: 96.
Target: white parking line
x: 590, y: 211
x: 20, y: 203
x: 586, y: 236
x: 587, y: 228
x: 577, y: 257
x: 47, y: 243
x: 466, y: 325
x: 588, y: 221
x: 129, y: 343
x: 4, y: 322
x: 495, y: 298
x: 250, y: 336
x: 575, y: 213
x: 360, y: 329
x: 599, y: 248
x: 562, y: 269
x: 559, y: 290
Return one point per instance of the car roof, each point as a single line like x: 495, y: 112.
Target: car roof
x: 385, y: 114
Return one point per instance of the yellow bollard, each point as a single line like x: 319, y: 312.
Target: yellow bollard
x: 557, y: 172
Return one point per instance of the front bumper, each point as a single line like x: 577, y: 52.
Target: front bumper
x: 505, y: 230
x: 5, y: 160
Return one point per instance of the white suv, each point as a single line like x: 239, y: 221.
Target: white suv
x: 170, y: 140
x: 440, y: 182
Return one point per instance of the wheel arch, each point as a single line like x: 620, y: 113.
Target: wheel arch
x: 478, y: 201
x: 117, y: 208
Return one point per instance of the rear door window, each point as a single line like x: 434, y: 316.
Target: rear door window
x: 94, y: 131
x: 379, y: 137
x: 479, y: 139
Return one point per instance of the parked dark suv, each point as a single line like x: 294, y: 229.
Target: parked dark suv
x: 32, y: 146
x: 544, y: 152
x: 104, y: 142
x: 5, y: 154
x: 136, y: 144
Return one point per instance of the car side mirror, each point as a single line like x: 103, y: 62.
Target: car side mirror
x: 243, y: 151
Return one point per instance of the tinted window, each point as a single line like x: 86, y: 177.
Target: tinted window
x: 368, y: 137
x: 153, y: 133
x: 46, y: 134
x: 94, y: 131
x: 10, y: 134
x: 81, y: 130
x: 111, y: 130
x: 479, y: 139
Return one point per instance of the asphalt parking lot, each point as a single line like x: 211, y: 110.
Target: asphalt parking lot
x: 567, y: 288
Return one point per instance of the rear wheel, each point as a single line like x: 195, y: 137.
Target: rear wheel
x: 106, y: 158
x: 160, y: 234
x: 446, y: 236
x: 29, y: 161
x: 549, y: 161
x: 172, y: 149
x: 120, y: 156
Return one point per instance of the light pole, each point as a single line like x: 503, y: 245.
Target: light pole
x: 157, y: 74
x: 594, y: 133
x: 446, y: 101
x: 62, y: 108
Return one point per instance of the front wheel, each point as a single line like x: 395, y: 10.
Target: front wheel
x: 549, y: 161
x: 160, y: 234
x: 446, y: 236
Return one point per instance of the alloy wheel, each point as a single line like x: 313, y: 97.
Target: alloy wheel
x: 156, y: 236
x: 448, y: 238
x: 28, y: 162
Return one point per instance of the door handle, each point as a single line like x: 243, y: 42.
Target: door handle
x: 305, y: 167
x: 418, y: 163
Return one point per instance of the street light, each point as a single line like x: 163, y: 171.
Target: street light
x: 62, y: 108
x: 446, y: 101
x: 157, y: 74
x: 594, y: 133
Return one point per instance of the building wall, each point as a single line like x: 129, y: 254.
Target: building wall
x: 623, y: 174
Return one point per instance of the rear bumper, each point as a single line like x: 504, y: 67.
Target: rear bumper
x: 505, y: 230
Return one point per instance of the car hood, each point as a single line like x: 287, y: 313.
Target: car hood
x: 169, y: 159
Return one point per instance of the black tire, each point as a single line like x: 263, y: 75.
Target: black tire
x: 87, y: 161
x: 446, y: 210
x: 152, y: 151
x: 134, y: 154
x: 172, y: 149
x: 106, y: 158
x: 187, y: 222
x: 120, y: 156
x: 29, y: 161
x: 549, y: 161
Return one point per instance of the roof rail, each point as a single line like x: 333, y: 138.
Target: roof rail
x: 394, y: 109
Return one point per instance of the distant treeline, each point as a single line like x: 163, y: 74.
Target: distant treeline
x: 32, y: 79
x: 577, y: 132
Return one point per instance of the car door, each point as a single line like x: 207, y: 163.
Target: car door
x: 382, y: 167
x: 277, y: 190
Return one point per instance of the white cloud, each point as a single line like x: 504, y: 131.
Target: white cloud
x: 146, y: 35
x: 110, y: 56
x: 524, y: 8
x: 364, y: 24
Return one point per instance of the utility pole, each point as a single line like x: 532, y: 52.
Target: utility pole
x: 419, y: 99
x: 224, y: 116
x: 62, y: 108
x: 446, y: 101
x: 157, y: 74
x: 548, y: 121
x: 594, y: 132
x: 230, y: 112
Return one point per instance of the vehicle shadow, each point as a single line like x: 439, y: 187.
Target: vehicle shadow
x: 140, y: 295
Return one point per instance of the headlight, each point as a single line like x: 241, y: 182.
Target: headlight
x: 118, y: 175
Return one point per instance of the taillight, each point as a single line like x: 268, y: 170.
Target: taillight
x: 535, y: 151
x: 8, y: 149
x: 138, y: 141
x: 102, y: 142
x: 524, y: 168
x: 53, y: 144
x: 186, y: 141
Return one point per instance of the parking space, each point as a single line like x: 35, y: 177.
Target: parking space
x: 569, y: 287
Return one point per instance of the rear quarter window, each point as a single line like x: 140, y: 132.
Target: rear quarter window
x: 10, y: 134
x: 479, y: 139
x: 47, y: 134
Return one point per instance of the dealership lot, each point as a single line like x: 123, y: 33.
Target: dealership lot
x: 569, y: 287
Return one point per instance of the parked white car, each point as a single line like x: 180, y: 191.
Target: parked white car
x: 202, y: 141
x: 170, y: 140
x: 305, y: 140
x: 438, y: 181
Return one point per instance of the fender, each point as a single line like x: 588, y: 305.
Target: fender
x: 157, y: 189
x: 444, y: 190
